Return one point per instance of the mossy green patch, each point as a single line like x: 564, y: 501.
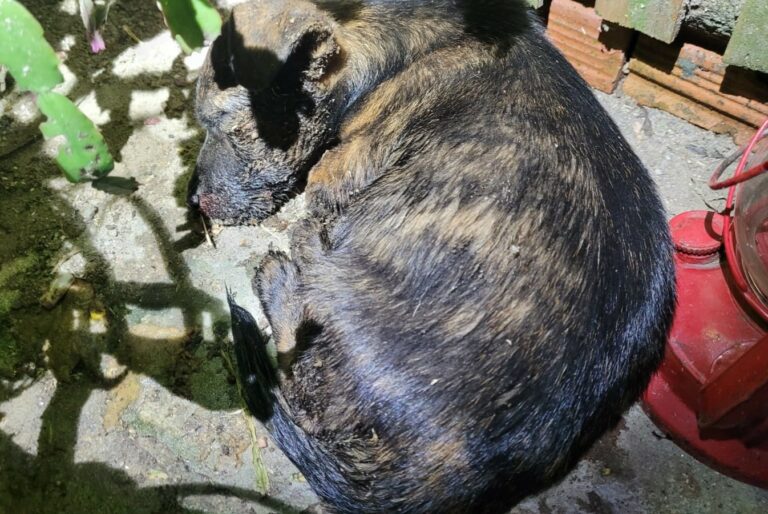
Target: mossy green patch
x: 746, y: 45
x: 210, y: 385
x: 15, y: 267
x: 7, y: 299
x: 9, y: 355
x: 660, y: 19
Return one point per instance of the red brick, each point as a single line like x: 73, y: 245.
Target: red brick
x: 597, y: 54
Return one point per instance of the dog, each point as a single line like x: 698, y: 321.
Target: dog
x: 484, y: 283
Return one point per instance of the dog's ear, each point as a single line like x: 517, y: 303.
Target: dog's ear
x: 270, y: 37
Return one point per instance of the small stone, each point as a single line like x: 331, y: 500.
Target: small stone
x: 156, y: 474
x: 644, y: 127
x: 56, y: 291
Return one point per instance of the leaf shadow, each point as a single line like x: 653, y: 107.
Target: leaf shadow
x: 52, y: 480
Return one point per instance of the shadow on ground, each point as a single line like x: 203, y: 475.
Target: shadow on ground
x: 70, y: 339
x: 51, y: 481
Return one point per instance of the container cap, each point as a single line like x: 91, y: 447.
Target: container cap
x: 697, y: 232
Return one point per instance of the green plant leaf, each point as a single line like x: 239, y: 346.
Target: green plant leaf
x: 191, y: 21
x: 83, y: 153
x: 35, y: 67
x: 24, y: 51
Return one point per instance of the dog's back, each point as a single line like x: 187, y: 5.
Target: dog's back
x: 487, y: 291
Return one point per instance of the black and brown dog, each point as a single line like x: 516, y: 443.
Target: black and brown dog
x: 485, y: 281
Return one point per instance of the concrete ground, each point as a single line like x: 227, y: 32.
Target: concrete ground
x: 121, y: 397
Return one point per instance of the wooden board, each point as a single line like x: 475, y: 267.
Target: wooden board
x: 696, y: 85
x: 747, y: 47
x: 660, y: 19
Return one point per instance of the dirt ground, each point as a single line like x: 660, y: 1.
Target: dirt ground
x: 121, y: 397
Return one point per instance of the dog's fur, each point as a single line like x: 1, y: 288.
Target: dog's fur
x: 485, y: 282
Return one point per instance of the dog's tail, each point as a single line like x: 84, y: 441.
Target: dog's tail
x: 265, y: 401
x: 257, y: 375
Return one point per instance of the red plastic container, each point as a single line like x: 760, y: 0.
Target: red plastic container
x: 711, y: 393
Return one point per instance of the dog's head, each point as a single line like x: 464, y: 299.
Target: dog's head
x: 264, y: 97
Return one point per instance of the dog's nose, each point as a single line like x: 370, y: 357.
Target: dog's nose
x: 193, y: 197
x: 193, y: 201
